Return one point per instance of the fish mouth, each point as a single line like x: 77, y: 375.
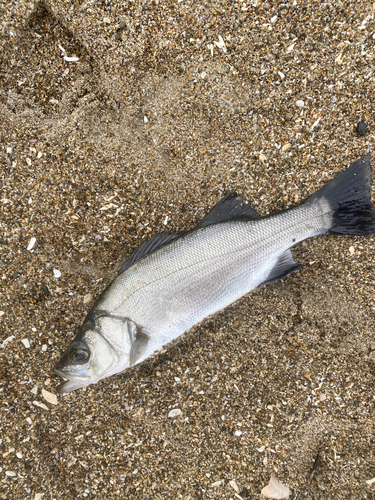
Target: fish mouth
x: 71, y: 382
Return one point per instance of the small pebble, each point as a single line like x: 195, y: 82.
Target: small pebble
x: 31, y: 243
x: 56, y: 273
x: 34, y: 390
x: 50, y: 397
x: 26, y: 343
x: 237, y: 433
x: 362, y: 128
x: 10, y: 473
x: 300, y: 103
x: 87, y: 298
x: 8, y: 340
x: 221, y: 44
x: 234, y: 485
x: 19, y: 454
x: 316, y: 123
x: 262, y: 157
x: 41, y: 405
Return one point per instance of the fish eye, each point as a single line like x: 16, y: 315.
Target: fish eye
x: 79, y: 354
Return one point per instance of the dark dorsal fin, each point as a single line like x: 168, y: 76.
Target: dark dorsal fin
x: 147, y: 247
x: 284, y: 266
x: 229, y: 207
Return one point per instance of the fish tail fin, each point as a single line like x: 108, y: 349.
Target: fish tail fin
x: 349, y: 198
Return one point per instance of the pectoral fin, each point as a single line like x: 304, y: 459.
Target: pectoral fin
x: 139, y: 347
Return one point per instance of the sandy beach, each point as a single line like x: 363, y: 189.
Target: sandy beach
x: 123, y: 119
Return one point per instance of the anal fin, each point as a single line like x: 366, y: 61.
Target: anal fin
x: 285, y: 265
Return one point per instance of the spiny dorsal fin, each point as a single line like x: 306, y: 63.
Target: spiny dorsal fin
x: 228, y: 208
x: 285, y: 265
x: 147, y: 247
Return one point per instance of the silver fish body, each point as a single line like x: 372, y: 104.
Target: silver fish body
x: 166, y: 290
x: 178, y: 285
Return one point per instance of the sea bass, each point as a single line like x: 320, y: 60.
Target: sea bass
x: 172, y: 282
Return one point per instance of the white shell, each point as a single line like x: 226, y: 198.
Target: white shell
x: 174, y: 413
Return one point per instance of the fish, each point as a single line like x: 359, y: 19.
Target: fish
x: 174, y: 281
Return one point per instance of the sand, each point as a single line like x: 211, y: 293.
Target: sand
x: 123, y: 119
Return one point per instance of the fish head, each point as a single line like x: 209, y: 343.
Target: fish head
x: 100, y: 349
